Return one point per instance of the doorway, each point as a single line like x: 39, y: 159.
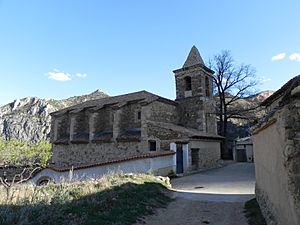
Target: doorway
x: 179, y: 159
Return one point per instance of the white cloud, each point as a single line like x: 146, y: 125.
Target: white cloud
x: 279, y: 56
x: 63, y: 76
x: 81, y: 75
x: 59, y: 76
x: 264, y: 79
x: 295, y: 57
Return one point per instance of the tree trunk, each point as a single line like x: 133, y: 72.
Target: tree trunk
x: 223, y: 125
x: 227, y: 148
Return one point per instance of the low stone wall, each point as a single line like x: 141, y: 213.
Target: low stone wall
x: 77, y: 154
x: 162, y: 165
x: 277, y: 165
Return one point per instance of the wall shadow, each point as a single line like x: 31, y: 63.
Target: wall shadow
x: 122, y: 205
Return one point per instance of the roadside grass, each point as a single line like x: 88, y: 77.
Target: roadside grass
x: 117, y: 199
x: 253, y: 213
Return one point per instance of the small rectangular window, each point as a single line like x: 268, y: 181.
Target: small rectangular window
x: 152, y: 145
x: 139, y: 115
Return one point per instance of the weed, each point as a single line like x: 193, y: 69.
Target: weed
x: 253, y: 213
x: 113, y: 199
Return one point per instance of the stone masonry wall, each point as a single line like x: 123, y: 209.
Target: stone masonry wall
x: 163, y: 133
x: 78, y: 154
x: 197, y: 78
x: 92, y: 139
x: 129, y: 117
x: 196, y: 106
x: 209, y: 154
x: 63, y: 127
x: 191, y: 113
x: 210, y: 117
x: 277, y: 157
x: 103, y: 120
x: 165, y: 136
x: 160, y: 112
x: 101, y: 124
x: 80, y: 126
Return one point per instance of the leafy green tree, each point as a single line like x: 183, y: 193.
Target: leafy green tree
x: 22, y: 153
x: 19, y: 160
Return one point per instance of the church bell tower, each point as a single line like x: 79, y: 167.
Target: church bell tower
x: 194, y: 93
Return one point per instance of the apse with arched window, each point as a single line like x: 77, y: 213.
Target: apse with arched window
x: 188, y: 83
x: 207, y: 89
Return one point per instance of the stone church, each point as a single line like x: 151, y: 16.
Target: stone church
x: 141, y: 124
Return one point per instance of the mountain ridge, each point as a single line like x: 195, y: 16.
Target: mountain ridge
x: 29, y: 118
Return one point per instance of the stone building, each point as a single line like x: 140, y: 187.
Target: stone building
x: 141, y: 124
x: 276, y: 142
x: 243, y: 150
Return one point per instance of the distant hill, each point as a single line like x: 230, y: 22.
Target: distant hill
x: 259, y: 97
x: 29, y: 118
x: 241, y: 127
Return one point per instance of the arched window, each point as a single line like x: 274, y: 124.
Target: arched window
x: 207, y: 89
x: 188, y: 83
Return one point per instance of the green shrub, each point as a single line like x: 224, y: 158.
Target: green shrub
x: 22, y: 153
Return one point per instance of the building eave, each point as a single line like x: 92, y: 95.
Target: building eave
x: 193, y: 67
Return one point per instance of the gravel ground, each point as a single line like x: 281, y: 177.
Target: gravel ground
x: 213, y: 197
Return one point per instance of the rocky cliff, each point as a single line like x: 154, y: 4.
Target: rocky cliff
x: 29, y: 118
x: 259, y: 97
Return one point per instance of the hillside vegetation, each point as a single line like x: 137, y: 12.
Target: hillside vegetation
x: 248, y: 114
x: 118, y: 199
x: 23, y: 153
x: 29, y: 118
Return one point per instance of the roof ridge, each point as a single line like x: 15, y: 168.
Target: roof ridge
x: 143, y: 94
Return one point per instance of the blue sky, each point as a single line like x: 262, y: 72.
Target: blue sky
x: 130, y: 45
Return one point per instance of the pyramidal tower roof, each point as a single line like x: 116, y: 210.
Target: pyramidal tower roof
x: 193, y: 58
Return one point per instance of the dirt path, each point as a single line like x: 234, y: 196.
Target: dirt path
x: 213, y: 197
x: 187, y: 212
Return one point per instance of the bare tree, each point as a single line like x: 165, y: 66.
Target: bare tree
x: 18, y: 176
x: 232, y: 83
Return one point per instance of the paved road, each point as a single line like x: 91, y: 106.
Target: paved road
x: 232, y: 183
x: 213, y: 197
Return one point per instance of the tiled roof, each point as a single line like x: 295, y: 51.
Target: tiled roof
x: 116, y: 101
x: 124, y: 159
x: 283, y: 91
